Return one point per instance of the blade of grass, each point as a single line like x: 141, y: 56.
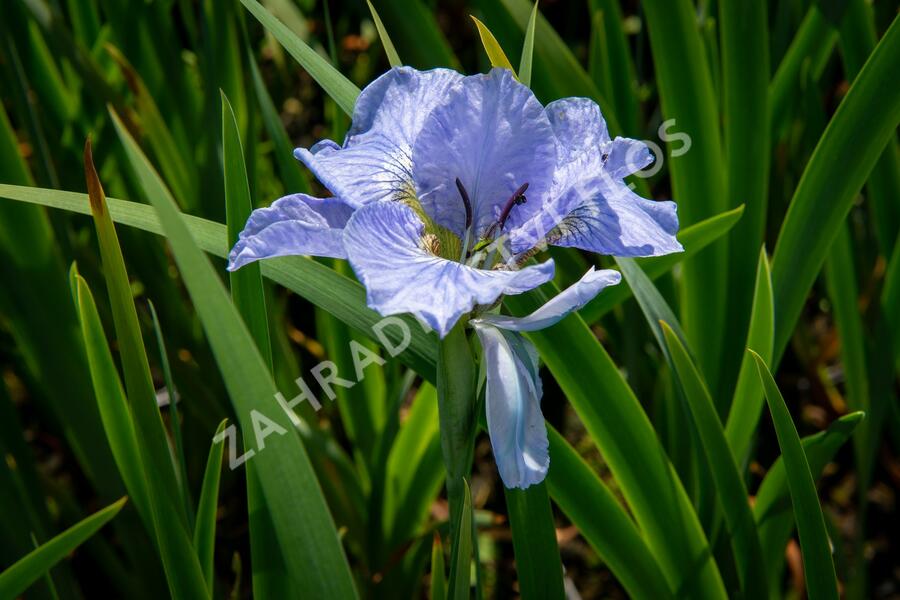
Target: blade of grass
x: 686, y: 95
x: 818, y: 567
x: 182, y: 569
x: 174, y: 420
x: 730, y: 487
x: 114, y: 410
x: 528, y: 48
x: 461, y: 557
x: 393, y: 57
x: 538, y: 565
x: 745, y: 79
x: 309, y: 542
x: 630, y: 446
x: 492, y: 47
x: 746, y: 406
x: 815, y: 38
x: 857, y: 40
x: 205, y: 529
x: 618, y: 66
x: 336, y: 293
x: 438, y: 589
x: 600, y: 518
x: 19, y: 576
x: 831, y: 179
x: 772, y: 507
x: 694, y: 238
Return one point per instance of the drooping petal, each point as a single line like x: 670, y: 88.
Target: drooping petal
x: 512, y: 405
x: 295, y: 224
x: 376, y: 159
x: 567, y: 301
x: 384, y: 245
x: 492, y: 134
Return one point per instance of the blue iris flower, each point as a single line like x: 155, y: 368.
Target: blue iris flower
x: 444, y: 190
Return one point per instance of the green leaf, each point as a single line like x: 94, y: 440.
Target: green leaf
x: 16, y: 579
x: 814, y: 39
x: 246, y: 283
x: 818, y: 567
x: 600, y: 518
x: 733, y: 498
x: 534, y: 542
x: 528, y: 48
x: 415, y: 471
x: 309, y: 542
x: 698, y: 185
x: 831, y: 180
x: 461, y: 554
x: 393, y: 57
x: 745, y: 79
x: 630, y: 446
x: 492, y: 47
x: 174, y: 419
x: 114, y: 410
x: 857, y: 40
x: 746, y: 406
x: 772, y: 508
x: 438, y: 589
x: 339, y: 295
x: 619, y: 80
x: 456, y: 378
x: 693, y: 238
x: 170, y: 521
x: 207, y: 508
x: 341, y: 89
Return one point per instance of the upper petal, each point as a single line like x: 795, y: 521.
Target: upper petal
x: 491, y: 133
x: 512, y: 406
x: 567, y: 301
x: 375, y: 160
x: 295, y: 224
x: 384, y: 246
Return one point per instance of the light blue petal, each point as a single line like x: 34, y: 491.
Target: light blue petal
x: 596, y: 209
x: 513, y: 407
x: 376, y: 159
x: 295, y: 224
x: 567, y: 301
x: 605, y: 216
x: 612, y: 219
x: 384, y: 246
x: 627, y: 156
x: 492, y: 134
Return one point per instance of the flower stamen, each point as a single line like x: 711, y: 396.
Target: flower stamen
x: 467, y: 203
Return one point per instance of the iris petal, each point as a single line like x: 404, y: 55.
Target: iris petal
x: 567, y: 301
x: 376, y: 159
x: 491, y: 133
x: 512, y: 405
x: 384, y: 245
x: 595, y: 209
x: 295, y: 224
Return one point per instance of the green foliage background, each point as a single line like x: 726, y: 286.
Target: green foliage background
x: 679, y: 466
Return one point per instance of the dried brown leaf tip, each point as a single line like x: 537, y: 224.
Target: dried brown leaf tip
x: 95, y: 190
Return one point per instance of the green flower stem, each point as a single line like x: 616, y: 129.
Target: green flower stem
x: 456, y: 409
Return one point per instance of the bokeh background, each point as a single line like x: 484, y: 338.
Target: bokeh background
x: 161, y: 63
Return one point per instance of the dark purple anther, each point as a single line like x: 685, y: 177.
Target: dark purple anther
x: 468, y: 203
x: 517, y: 198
